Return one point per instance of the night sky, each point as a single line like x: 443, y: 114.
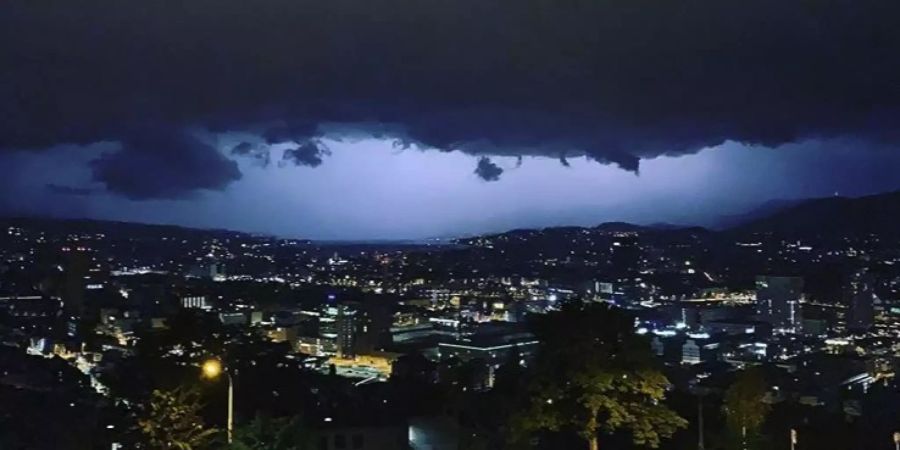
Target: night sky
x: 362, y: 119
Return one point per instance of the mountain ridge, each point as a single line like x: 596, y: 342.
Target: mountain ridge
x: 875, y: 213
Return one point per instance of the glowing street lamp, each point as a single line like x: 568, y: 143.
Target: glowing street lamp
x: 212, y: 368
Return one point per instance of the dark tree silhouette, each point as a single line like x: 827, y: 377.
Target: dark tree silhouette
x: 172, y: 421
x: 595, y: 375
x: 266, y: 433
x: 745, y: 410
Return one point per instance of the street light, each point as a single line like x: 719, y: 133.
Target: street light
x: 212, y: 368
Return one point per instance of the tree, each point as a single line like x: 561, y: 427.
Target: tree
x: 484, y: 416
x: 266, y: 433
x: 593, y: 374
x: 745, y: 410
x: 171, y: 420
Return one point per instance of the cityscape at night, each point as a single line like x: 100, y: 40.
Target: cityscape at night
x: 449, y: 225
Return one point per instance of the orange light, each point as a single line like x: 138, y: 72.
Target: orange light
x: 212, y: 368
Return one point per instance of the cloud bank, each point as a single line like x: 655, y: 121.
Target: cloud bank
x: 616, y: 81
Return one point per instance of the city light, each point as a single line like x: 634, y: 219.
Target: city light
x: 212, y: 368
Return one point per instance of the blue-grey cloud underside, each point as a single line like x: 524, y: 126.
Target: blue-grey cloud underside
x: 615, y: 80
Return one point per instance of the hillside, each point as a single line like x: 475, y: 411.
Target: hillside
x: 879, y: 214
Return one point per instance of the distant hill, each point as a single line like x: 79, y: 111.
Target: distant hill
x: 830, y: 216
x: 762, y: 211
x: 653, y: 227
x: 878, y: 214
x: 565, y: 233
x: 619, y: 227
x: 664, y: 226
x: 110, y: 227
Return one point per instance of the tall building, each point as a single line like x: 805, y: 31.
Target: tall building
x: 338, y: 324
x: 346, y: 327
x: 77, y: 263
x: 690, y: 352
x: 778, y: 301
x: 210, y: 270
x: 861, y: 295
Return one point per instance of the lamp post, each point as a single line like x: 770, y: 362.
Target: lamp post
x: 700, y: 391
x: 700, y: 444
x: 212, y: 368
x: 897, y: 440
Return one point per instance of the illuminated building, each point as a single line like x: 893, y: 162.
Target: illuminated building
x: 778, y: 301
x: 690, y: 352
x: 338, y: 324
x: 494, y: 350
x: 195, y: 302
x: 861, y: 314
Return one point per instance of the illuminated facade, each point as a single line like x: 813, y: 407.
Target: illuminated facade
x: 778, y: 301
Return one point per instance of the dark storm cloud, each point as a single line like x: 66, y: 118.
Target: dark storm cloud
x: 308, y: 154
x: 614, y: 80
x: 68, y: 190
x: 290, y: 132
x: 243, y: 149
x: 258, y: 153
x: 487, y: 170
x: 162, y: 163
